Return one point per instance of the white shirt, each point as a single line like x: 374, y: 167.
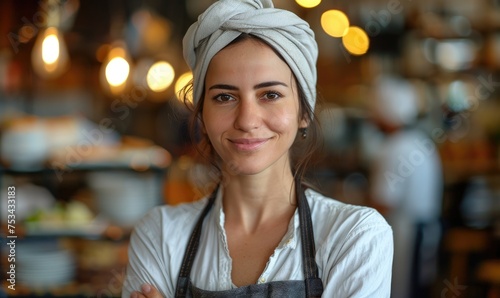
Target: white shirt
x: 354, y: 249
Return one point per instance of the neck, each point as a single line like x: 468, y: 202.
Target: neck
x: 251, y: 201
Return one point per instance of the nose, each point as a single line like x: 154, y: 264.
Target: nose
x: 248, y: 115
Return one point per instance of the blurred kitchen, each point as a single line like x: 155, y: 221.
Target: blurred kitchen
x: 93, y: 134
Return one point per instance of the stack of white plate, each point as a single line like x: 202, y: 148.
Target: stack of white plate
x: 44, y: 266
x: 124, y: 197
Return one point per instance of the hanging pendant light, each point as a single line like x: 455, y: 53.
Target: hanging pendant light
x: 115, y: 71
x: 160, y: 76
x: 50, y: 55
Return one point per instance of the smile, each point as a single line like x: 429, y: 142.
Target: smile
x: 248, y: 144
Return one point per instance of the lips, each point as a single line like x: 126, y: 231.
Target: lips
x: 248, y: 144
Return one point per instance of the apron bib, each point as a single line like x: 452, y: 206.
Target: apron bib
x: 311, y: 286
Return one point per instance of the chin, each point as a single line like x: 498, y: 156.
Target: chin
x: 244, y: 168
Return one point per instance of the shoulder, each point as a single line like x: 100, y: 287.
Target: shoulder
x: 332, y: 218
x: 334, y: 210
x: 157, y: 245
x: 354, y: 248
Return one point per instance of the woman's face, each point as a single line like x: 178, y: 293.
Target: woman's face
x: 251, y: 108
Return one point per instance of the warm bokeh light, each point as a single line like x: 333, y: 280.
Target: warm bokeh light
x: 356, y: 41
x: 50, y: 49
x: 117, y: 71
x: 182, y: 81
x: 308, y: 3
x: 335, y: 23
x: 160, y: 76
x: 49, y: 56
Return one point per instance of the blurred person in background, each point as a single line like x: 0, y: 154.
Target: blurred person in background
x: 263, y: 232
x: 407, y: 186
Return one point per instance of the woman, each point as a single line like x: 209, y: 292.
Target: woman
x: 261, y: 233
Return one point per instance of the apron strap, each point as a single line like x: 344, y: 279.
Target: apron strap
x: 314, y: 285
x: 192, y: 249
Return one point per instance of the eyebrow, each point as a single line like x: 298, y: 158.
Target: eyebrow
x: 258, y: 86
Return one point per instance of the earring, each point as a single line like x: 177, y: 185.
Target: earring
x: 304, y: 132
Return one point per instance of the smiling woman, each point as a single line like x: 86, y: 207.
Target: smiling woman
x: 262, y: 232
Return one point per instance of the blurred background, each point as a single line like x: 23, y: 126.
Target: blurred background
x: 93, y: 134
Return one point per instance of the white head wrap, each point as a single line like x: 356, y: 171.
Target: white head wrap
x: 225, y: 20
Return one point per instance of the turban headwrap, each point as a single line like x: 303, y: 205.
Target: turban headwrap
x: 225, y: 20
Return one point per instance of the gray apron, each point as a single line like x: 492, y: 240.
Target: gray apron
x: 310, y: 287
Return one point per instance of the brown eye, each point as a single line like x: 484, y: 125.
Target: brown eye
x: 223, y: 97
x: 272, y: 95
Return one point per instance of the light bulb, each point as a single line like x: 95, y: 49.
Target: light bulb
x: 115, y: 70
x: 50, y: 49
x: 160, y: 76
x: 356, y: 41
x: 335, y: 23
x: 308, y: 3
x: 50, y: 55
